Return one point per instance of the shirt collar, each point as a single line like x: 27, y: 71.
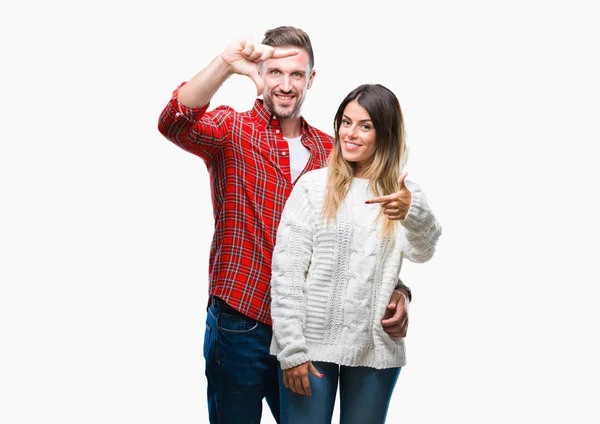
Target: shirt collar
x: 265, y: 118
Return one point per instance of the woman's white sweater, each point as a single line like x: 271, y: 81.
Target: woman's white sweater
x: 331, y: 284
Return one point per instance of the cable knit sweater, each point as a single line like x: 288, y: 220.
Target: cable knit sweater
x: 330, y: 284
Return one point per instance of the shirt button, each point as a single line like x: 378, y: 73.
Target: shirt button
x: 277, y: 131
x: 283, y: 153
x: 177, y: 115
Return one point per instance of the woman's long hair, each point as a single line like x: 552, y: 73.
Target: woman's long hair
x: 389, y: 157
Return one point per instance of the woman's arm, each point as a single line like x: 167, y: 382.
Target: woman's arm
x: 422, y: 228
x: 291, y: 259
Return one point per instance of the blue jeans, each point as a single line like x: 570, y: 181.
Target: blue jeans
x: 365, y: 395
x: 239, y: 369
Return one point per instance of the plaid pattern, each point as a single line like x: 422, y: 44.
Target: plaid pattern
x: 249, y: 167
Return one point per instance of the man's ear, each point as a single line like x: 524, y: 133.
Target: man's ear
x: 311, y: 77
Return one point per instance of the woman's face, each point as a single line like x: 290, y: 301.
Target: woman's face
x: 357, y: 136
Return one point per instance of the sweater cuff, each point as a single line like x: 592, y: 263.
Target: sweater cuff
x: 292, y: 361
x: 417, y: 213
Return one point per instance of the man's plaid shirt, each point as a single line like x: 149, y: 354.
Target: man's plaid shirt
x: 249, y: 168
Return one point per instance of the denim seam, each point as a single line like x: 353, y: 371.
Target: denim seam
x: 213, y: 315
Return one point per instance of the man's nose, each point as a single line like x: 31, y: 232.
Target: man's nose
x: 285, y: 83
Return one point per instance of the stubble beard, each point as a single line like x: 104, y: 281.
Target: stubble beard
x: 284, y: 112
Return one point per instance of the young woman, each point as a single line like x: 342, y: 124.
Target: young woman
x: 336, y: 261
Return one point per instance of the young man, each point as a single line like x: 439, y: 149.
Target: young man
x: 253, y: 159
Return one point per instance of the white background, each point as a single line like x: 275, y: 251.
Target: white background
x: 105, y: 226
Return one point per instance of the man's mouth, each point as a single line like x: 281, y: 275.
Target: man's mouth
x: 284, y: 97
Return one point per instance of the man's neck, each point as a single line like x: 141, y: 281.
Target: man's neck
x: 291, y: 127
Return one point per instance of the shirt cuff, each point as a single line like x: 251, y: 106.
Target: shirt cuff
x: 180, y: 110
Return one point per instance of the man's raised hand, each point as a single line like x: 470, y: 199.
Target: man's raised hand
x: 244, y: 57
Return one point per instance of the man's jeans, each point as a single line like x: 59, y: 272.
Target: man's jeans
x: 239, y: 369
x: 365, y: 395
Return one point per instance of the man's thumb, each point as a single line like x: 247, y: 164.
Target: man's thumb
x: 258, y: 81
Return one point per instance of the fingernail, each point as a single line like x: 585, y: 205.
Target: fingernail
x: 366, y: 202
x: 322, y: 375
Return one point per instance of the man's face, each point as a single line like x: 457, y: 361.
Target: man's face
x: 286, y: 82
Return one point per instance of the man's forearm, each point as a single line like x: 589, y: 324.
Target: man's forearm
x: 199, y: 90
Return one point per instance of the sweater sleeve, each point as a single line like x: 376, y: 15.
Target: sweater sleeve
x: 291, y: 259
x: 422, y: 228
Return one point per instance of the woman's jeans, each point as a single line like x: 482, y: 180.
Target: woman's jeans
x: 239, y: 369
x: 365, y: 395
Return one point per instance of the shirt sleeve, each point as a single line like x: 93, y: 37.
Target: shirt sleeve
x: 291, y: 259
x: 194, y: 129
x: 421, y: 227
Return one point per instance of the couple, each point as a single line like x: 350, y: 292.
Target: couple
x: 310, y: 232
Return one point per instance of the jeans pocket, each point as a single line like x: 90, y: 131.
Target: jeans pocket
x: 235, y: 324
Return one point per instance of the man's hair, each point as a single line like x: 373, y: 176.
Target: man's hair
x: 288, y: 36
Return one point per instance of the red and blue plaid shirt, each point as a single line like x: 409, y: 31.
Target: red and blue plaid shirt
x: 249, y: 167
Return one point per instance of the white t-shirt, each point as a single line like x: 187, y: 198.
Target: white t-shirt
x: 299, y: 156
